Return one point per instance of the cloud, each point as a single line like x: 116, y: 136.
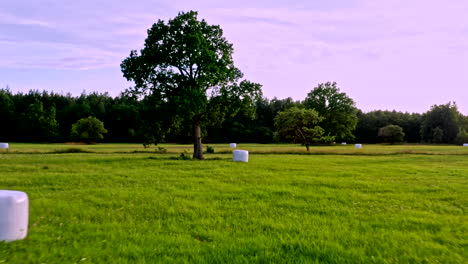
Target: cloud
x: 6, y: 18
x: 267, y: 35
x: 55, y: 56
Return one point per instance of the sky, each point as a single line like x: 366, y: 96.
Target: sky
x: 385, y: 54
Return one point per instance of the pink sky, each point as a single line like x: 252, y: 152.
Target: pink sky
x: 395, y: 54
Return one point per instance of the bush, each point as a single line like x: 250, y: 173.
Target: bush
x: 88, y: 129
x: 209, y: 150
x: 391, y: 134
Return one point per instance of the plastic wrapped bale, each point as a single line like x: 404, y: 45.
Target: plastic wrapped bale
x: 240, y: 155
x: 4, y: 146
x: 358, y: 145
x: 465, y: 145
x: 233, y: 145
x: 14, y: 213
x: 343, y: 143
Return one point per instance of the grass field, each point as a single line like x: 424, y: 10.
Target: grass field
x: 379, y: 204
x: 370, y: 149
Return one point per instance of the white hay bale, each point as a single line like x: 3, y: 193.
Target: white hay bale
x: 233, y: 145
x: 240, y: 155
x: 4, y: 146
x: 343, y: 143
x: 465, y: 145
x: 14, y: 212
x: 358, y: 145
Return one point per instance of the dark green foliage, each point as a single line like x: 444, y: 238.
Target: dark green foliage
x: 242, y: 128
x: 188, y: 64
x: 210, y: 150
x: 300, y: 126
x: 39, y: 124
x: 369, y: 124
x: 133, y: 120
x: 88, y: 130
x: 437, y: 135
x: 441, y: 124
x: 336, y: 108
x: 462, y: 137
x: 7, y: 115
x: 392, y: 134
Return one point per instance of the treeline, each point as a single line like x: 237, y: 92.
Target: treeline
x: 442, y: 124
x: 48, y: 117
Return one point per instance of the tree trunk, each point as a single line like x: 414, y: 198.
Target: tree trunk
x: 197, y: 144
x: 307, y: 147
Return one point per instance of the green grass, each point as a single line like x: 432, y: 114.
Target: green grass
x: 109, y: 207
x: 370, y: 149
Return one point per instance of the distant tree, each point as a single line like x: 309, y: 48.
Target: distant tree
x: 391, y: 134
x: 88, y: 129
x: 123, y: 119
x: 437, y: 135
x: 49, y: 126
x: 369, y: 124
x: 441, y: 124
x: 39, y: 124
x: 76, y: 109
x: 462, y: 136
x: 188, y: 64
x: 253, y: 126
x: 7, y: 115
x: 300, y: 126
x: 336, y: 108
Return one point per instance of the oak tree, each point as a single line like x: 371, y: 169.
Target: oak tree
x: 337, y: 109
x: 188, y: 64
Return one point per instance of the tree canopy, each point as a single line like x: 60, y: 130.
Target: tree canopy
x: 188, y: 65
x: 88, y: 129
x: 441, y: 124
x: 391, y: 134
x: 300, y: 126
x: 129, y: 119
x: 336, y: 108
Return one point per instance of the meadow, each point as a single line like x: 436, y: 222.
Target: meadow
x: 120, y: 203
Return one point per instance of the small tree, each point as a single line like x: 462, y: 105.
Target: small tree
x: 88, y: 129
x: 299, y: 125
x: 391, y: 134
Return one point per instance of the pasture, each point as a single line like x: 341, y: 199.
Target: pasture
x: 121, y: 203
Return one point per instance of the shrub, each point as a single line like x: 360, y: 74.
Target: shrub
x: 88, y: 129
x: 209, y: 150
x: 391, y: 134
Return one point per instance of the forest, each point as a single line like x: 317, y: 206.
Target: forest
x: 41, y: 116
